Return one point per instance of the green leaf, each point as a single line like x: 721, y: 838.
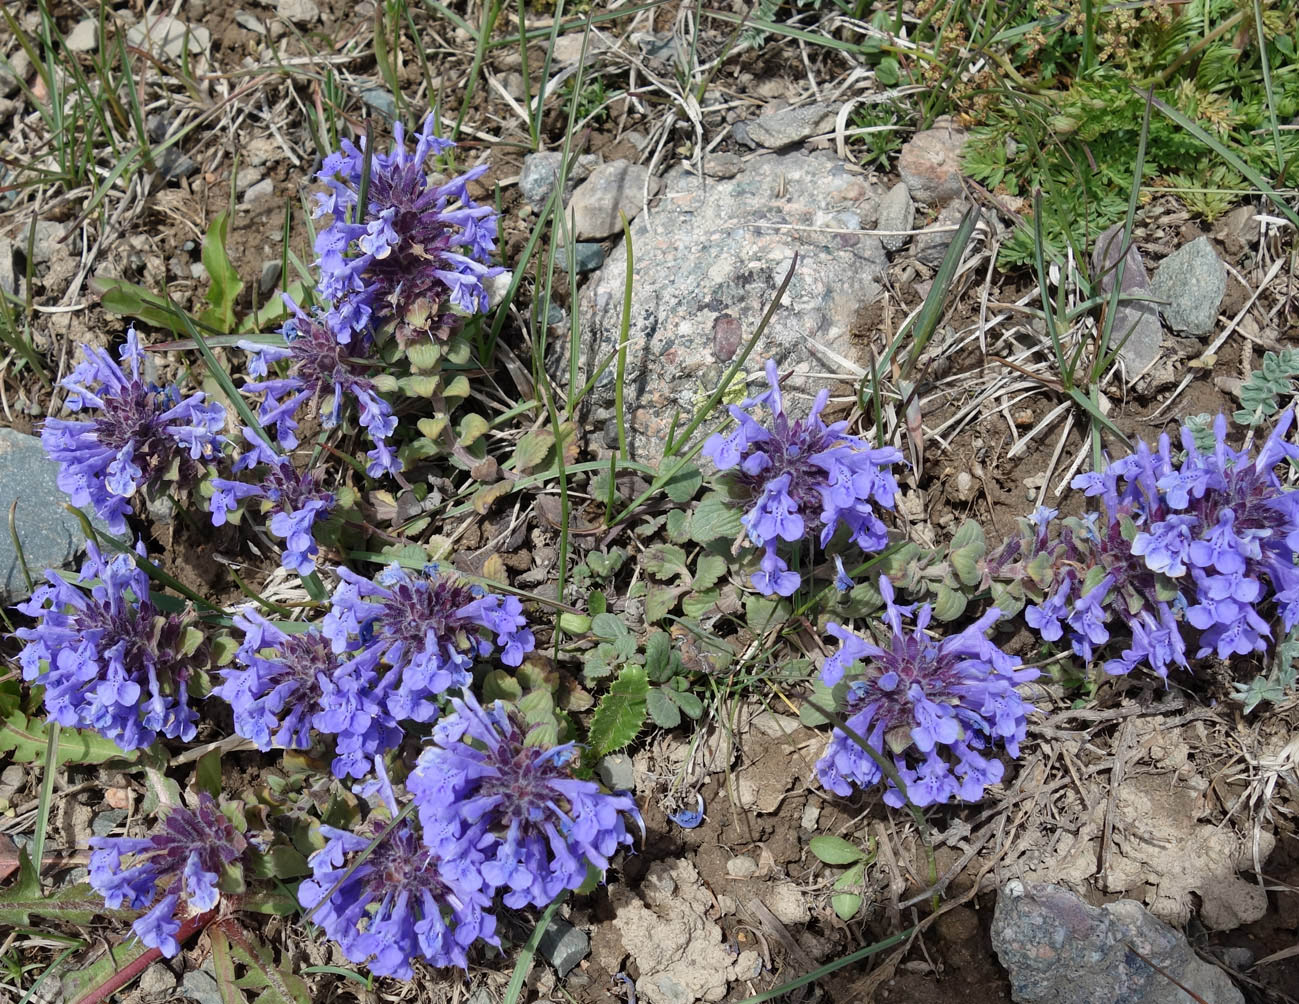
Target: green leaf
x: 663, y: 710
x: 846, y: 904
x: 26, y: 739
x: 121, y: 297
x: 620, y: 714
x: 678, y: 526
x: 666, y: 561
x: 659, y: 601
x: 281, y: 861
x: 658, y: 656
x: 949, y: 603
x: 74, y: 904
x: 499, y: 685
x: 708, y: 570
x: 276, y: 986
x: 714, y: 518
x: 531, y: 450
x: 681, y: 487
x: 834, y: 850
x: 207, y: 776
x: 225, y: 282
x: 689, y: 703
x: 609, y: 627
x: 697, y: 604
x: 472, y: 428
x: 969, y: 533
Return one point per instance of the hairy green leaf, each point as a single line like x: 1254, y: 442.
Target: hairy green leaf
x: 662, y: 709
x: 834, y: 850
x: 620, y: 714
x: 26, y: 739
x: 225, y: 281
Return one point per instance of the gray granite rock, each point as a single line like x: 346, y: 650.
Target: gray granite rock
x: 613, y: 190
x: 1060, y: 950
x: 540, y: 171
x: 45, y: 241
x: 169, y: 35
x: 723, y: 165
x: 198, y: 985
x: 709, y: 259
x: 930, y: 163
x: 787, y: 126
x: 9, y: 280
x: 16, y: 70
x: 1135, y: 320
x: 107, y: 821
x: 1193, y: 280
x: 586, y: 257
x: 897, y: 212
x: 270, y: 276
x: 930, y: 246
x: 50, y: 535
x: 84, y: 36
x: 298, y: 11
x: 173, y: 164
x: 618, y: 772
x: 563, y: 945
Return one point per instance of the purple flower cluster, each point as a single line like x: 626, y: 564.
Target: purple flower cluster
x: 933, y: 706
x: 137, y: 436
x: 421, y: 633
x: 791, y: 469
x: 285, y: 685
x: 178, y: 870
x: 110, y: 660
x: 1204, y: 541
x: 296, y: 504
x: 417, y: 256
x: 483, y: 791
x: 325, y: 369
x: 407, y: 900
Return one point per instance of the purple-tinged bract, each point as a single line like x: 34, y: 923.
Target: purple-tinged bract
x: 137, y: 437
x: 935, y: 707
x: 177, y: 870
x: 421, y: 633
x: 800, y: 473
x: 327, y: 372
x: 417, y: 258
x: 405, y: 901
x: 481, y: 786
x: 110, y: 660
x: 285, y: 685
x: 1202, y: 542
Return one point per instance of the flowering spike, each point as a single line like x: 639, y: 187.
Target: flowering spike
x: 481, y: 785
x: 798, y: 472
x: 932, y: 706
x: 288, y: 684
x: 139, y: 436
x: 178, y: 866
x: 426, y: 628
x: 112, y: 661
x: 417, y: 256
x: 1200, y: 541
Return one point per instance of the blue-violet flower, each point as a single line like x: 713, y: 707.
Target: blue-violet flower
x: 137, y: 436
x: 481, y: 786
x: 177, y: 870
x: 284, y: 685
x: 417, y: 257
x: 935, y: 707
x: 111, y: 660
x: 406, y: 900
x: 421, y: 633
x: 800, y: 472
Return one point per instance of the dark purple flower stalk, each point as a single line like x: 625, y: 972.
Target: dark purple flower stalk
x: 417, y: 258
x: 932, y: 706
x: 405, y: 901
x: 798, y: 473
x: 421, y: 633
x: 177, y: 870
x: 110, y: 660
x: 138, y: 437
x: 481, y: 786
x: 327, y: 372
x: 286, y: 685
x: 1203, y: 542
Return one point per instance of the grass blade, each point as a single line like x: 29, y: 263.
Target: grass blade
x: 523, y: 964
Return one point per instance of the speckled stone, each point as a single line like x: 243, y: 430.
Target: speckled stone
x: 50, y: 535
x: 1060, y: 950
x: 709, y: 257
x: 1136, y: 328
x: 1193, y: 280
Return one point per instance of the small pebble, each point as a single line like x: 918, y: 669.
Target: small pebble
x: 741, y: 867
